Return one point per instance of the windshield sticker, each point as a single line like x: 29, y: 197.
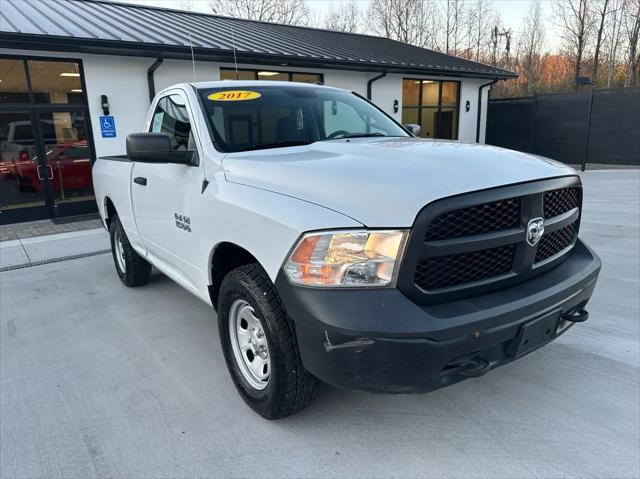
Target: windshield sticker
x: 234, y: 95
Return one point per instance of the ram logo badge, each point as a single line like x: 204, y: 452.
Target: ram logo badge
x: 535, y: 230
x: 183, y: 222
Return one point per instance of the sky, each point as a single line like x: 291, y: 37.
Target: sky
x: 512, y: 11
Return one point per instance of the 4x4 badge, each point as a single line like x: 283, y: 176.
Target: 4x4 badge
x: 535, y: 230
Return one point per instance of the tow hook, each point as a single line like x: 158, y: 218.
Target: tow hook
x: 576, y: 316
x: 475, y: 368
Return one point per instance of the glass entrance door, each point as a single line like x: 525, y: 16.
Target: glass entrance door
x: 46, y: 149
x: 67, y: 158
x: 23, y: 193
x: 45, y: 165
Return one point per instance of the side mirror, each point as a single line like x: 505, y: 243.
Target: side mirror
x: 414, y: 129
x: 155, y: 148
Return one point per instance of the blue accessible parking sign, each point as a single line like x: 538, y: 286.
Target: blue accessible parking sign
x: 108, y: 127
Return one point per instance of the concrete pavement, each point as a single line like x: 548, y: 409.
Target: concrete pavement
x: 98, y: 380
x: 25, y: 251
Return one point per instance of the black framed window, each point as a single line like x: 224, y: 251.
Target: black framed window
x: 42, y: 81
x: 271, y: 75
x: 432, y: 104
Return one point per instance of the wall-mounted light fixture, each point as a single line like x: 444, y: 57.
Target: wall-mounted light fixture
x: 104, y: 103
x: 467, y: 105
x: 396, y: 106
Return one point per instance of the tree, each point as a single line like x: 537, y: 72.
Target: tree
x: 454, y: 25
x: 186, y: 5
x: 293, y: 12
x: 602, y: 13
x: 632, y: 26
x: 500, y: 43
x: 478, y: 20
x: 347, y: 17
x: 531, y: 45
x: 403, y: 20
x: 575, y: 20
x: 613, y: 43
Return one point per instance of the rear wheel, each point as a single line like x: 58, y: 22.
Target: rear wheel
x: 260, y: 346
x: 133, y: 269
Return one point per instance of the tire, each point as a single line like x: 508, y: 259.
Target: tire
x: 133, y: 270
x: 289, y: 387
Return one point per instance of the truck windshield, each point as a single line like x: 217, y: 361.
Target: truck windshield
x: 247, y: 118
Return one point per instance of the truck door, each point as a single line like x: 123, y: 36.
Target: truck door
x: 163, y: 193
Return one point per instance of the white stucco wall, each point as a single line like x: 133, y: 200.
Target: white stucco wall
x: 124, y: 81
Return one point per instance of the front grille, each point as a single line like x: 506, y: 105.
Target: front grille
x: 474, y: 243
x: 560, y: 201
x: 447, y: 271
x: 477, y: 219
x: 552, y: 243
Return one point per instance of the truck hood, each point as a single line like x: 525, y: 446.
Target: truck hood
x: 385, y: 182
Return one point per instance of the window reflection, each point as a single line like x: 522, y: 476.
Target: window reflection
x: 55, y: 82
x: 271, y: 75
x: 20, y: 186
x: 13, y: 81
x: 68, y: 156
x: 430, y: 92
x: 306, y: 77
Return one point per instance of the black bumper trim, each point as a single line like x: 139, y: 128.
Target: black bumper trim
x: 378, y: 340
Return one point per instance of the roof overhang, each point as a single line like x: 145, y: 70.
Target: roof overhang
x: 20, y: 41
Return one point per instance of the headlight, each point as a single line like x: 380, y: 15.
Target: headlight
x: 346, y: 258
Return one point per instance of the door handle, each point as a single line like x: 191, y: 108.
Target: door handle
x: 42, y: 177
x: 140, y: 180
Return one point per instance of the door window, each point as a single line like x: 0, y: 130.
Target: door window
x: 68, y: 156
x: 171, y: 117
x: 21, y: 185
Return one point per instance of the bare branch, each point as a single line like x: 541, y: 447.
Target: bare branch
x: 293, y: 12
x: 346, y: 17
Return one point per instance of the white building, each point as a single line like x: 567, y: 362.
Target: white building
x: 64, y: 64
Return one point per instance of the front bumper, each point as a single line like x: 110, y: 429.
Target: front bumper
x: 378, y: 340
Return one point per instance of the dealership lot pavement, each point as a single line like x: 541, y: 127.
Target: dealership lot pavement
x: 97, y: 380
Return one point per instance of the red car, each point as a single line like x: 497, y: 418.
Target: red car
x: 68, y: 167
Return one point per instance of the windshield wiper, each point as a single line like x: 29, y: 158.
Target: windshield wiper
x: 275, y: 144
x: 358, y: 135
x: 362, y: 135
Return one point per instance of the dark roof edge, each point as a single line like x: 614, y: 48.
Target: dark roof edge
x: 21, y: 41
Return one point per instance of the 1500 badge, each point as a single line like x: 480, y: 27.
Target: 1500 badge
x: 183, y: 222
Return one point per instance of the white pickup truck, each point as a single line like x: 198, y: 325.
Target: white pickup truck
x: 338, y: 247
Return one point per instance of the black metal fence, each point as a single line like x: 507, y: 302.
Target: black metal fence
x: 594, y: 127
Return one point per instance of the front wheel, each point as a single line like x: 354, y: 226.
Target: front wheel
x: 260, y: 347
x: 133, y: 269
